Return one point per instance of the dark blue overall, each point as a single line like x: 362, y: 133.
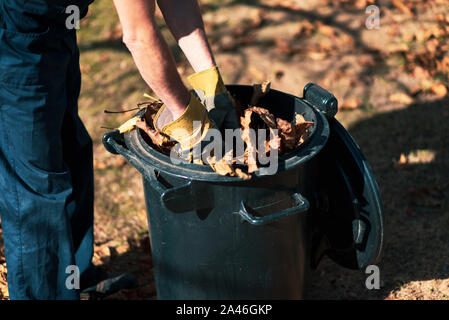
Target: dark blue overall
x: 46, y: 174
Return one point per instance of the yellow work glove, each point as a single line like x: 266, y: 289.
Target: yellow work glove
x: 190, y: 128
x: 212, y: 92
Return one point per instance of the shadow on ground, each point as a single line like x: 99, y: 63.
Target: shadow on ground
x: 416, y: 209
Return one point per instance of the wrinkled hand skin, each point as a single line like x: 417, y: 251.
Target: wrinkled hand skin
x: 221, y: 108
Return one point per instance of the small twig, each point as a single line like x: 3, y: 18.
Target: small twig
x: 123, y: 111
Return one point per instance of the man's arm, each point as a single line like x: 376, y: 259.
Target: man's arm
x: 151, y: 53
x: 186, y: 24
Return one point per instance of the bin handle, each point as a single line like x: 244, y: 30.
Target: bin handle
x: 301, y: 205
x: 110, y: 141
x: 179, y: 199
x: 172, y: 199
x: 168, y: 194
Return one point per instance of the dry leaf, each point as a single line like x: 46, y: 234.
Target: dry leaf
x: 402, y: 163
x: 283, y: 46
x: 305, y: 29
x: 249, y: 139
x: 401, y: 6
x: 439, y: 89
x: 220, y: 166
x: 401, y: 97
x: 402, y: 159
x: 432, y: 45
x: 291, y: 134
x: 325, y: 29
x: 259, y: 90
x: 420, y: 73
x: 256, y: 73
x: 351, y: 103
x: 301, y: 126
x: 257, y: 19
x: 163, y: 142
x: 239, y: 173
x: 316, y: 56
x: 264, y: 115
x: 443, y: 65
x: 396, y: 47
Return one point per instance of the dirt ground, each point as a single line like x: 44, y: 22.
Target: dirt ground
x: 391, y: 84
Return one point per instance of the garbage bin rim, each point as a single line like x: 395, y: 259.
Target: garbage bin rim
x: 160, y: 162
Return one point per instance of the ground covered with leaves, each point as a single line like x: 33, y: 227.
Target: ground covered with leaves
x: 392, y: 87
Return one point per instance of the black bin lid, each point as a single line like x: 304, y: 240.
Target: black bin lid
x: 349, y: 213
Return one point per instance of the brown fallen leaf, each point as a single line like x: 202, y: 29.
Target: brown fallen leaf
x: 443, y: 64
x: 239, y: 173
x: 402, y: 163
x: 325, y: 29
x: 100, y: 165
x: 256, y: 73
x: 401, y: 6
x: 284, y: 46
x: 220, y: 166
x: 420, y: 73
x: 301, y: 126
x: 291, y: 135
x: 257, y: 19
x: 259, y: 90
x: 305, y: 29
x: 265, y: 115
x: 162, y: 142
x: 396, y: 47
x: 249, y: 139
x: 273, y: 142
x: 432, y: 45
x: 401, y: 97
x: 287, y: 133
x: 316, y: 55
x: 350, y: 104
x: 439, y: 89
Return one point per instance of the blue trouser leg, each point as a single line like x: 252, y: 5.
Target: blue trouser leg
x: 46, y: 174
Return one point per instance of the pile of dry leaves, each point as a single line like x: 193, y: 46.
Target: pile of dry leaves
x: 281, y: 135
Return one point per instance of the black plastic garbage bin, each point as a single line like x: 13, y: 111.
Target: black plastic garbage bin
x: 221, y: 237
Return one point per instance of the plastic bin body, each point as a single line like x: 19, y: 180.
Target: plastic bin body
x: 213, y: 253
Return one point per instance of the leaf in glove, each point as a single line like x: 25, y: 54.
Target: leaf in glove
x: 161, y: 141
x: 250, y: 139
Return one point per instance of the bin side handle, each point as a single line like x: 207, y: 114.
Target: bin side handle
x: 301, y: 205
x: 171, y: 194
x: 177, y: 199
x: 110, y: 141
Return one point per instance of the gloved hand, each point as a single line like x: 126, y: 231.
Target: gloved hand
x: 189, y: 129
x: 212, y: 92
